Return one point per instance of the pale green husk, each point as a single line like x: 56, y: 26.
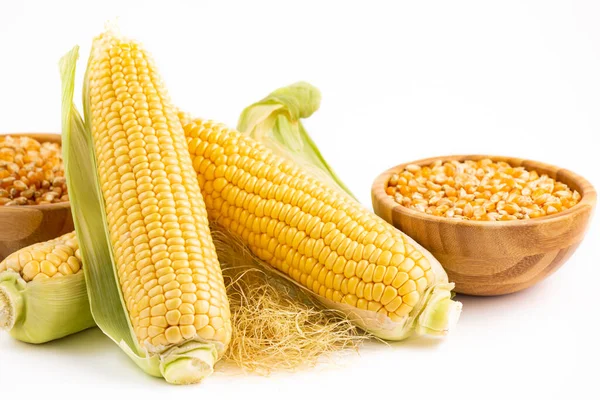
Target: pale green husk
x: 275, y: 121
x: 38, y: 312
x: 184, y: 364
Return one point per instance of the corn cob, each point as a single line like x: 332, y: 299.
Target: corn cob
x: 164, y: 258
x: 42, y: 291
x: 315, y: 235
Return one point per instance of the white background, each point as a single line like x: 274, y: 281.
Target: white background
x: 400, y: 81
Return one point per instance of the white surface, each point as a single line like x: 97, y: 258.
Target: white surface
x: 400, y: 81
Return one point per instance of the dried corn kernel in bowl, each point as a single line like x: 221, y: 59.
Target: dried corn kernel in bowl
x: 482, y: 190
x: 31, y: 172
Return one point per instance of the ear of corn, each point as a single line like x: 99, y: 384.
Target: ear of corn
x: 155, y: 212
x: 155, y: 260
x: 42, y: 292
x: 317, y: 236
x: 104, y: 295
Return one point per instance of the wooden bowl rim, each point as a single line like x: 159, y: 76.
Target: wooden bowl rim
x: 44, y: 136
x: 51, y: 206
x: 588, y: 193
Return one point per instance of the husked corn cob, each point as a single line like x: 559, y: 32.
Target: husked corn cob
x: 316, y: 235
x: 43, y: 293
x: 52, y: 259
x: 166, y: 261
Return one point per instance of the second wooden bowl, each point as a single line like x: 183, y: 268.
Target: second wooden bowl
x: 493, y: 258
x: 21, y: 226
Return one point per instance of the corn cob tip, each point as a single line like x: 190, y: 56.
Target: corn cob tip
x: 6, y: 318
x: 190, y: 363
x: 441, y: 313
x: 10, y: 303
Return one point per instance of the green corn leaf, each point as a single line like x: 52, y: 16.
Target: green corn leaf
x: 91, y: 229
x: 276, y: 121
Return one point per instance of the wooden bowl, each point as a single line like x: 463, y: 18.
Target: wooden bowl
x: 488, y: 258
x: 21, y: 226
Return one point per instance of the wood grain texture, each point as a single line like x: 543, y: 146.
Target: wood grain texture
x: 21, y: 226
x: 488, y: 258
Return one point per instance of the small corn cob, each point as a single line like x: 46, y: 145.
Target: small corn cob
x: 166, y: 262
x: 42, y: 291
x: 310, y: 232
x: 52, y: 259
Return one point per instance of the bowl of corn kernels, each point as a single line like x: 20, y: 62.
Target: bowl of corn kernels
x: 497, y: 224
x: 34, y: 201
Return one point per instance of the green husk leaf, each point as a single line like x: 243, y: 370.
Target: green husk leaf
x: 89, y: 218
x: 38, y: 312
x: 276, y: 121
